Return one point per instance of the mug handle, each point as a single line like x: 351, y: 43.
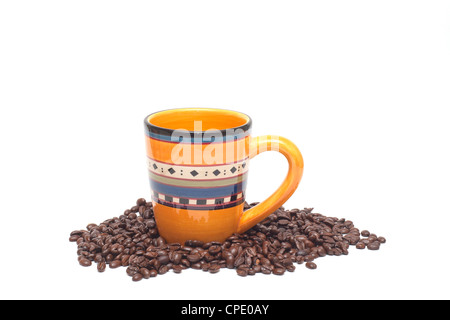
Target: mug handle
x: 261, y: 211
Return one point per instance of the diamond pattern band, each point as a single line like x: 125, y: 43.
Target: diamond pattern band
x: 199, y: 204
x: 203, y: 172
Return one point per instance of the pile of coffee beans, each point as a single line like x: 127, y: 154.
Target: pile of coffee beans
x: 273, y: 246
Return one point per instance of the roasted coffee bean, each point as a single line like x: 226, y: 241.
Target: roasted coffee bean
x: 151, y: 254
x: 160, y: 242
x: 124, y: 260
x: 141, y: 202
x: 257, y: 268
x: 321, y: 251
x: 272, y: 246
x: 185, y: 262
x: 131, y: 271
x: 205, y: 266
x: 196, y: 266
x: 101, y: 266
x: 214, y: 268
x: 85, y: 262
x: 155, y: 262
x: 239, y: 261
x: 193, y: 258
x: 290, y: 268
x: 147, y: 214
x: 137, y: 277
x: 176, y: 258
x: 74, y: 238
x: 373, y: 245
x: 265, y: 270
x: 115, y: 264
x: 77, y: 233
x: 365, y: 233
x: 164, y: 259
x: 214, y: 249
x: 177, y: 269
x: 265, y: 262
x: 242, y: 272
x: 145, y: 273
x: 279, y: 271
x: 150, y: 223
x: 360, y: 245
x: 194, y: 243
x: 133, y: 215
x: 229, y: 261
x: 164, y: 269
x: 91, y: 226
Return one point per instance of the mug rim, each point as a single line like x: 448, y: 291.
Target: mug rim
x: 153, y: 128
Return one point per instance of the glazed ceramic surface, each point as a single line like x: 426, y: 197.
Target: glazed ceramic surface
x: 198, y: 162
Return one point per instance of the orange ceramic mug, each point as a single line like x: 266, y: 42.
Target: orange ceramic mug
x: 198, y: 163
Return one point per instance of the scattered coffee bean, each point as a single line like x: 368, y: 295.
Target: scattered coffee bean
x: 74, y: 238
x: 193, y: 258
x: 196, y: 266
x: 163, y: 269
x: 265, y: 270
x: 85, y: 262
x: 214, y: 268
x: 101, y: 266
x: 115, y: 264
x: 360, y: 245
x: 137, y: 277
x: 140, y: 202
x: 279, y: 271
x: 365, y: 233
x: 145, y: 273
x: 272, y: 246
x: 242, y: 272
x: 215, y: 249
x: 373, y: 245
x: 164, y: 259
x: 177, y: 269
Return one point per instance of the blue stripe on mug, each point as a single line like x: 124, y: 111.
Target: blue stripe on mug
x: 199, y: 139
x: 198, y: 193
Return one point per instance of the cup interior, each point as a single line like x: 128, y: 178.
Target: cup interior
x: 191, y: 118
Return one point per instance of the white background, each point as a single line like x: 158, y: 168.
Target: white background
x: 362, y: 87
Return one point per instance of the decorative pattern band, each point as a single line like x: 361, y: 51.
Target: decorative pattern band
x: 201, y: 172
x: 198, y: 187
x: 199, y: 204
